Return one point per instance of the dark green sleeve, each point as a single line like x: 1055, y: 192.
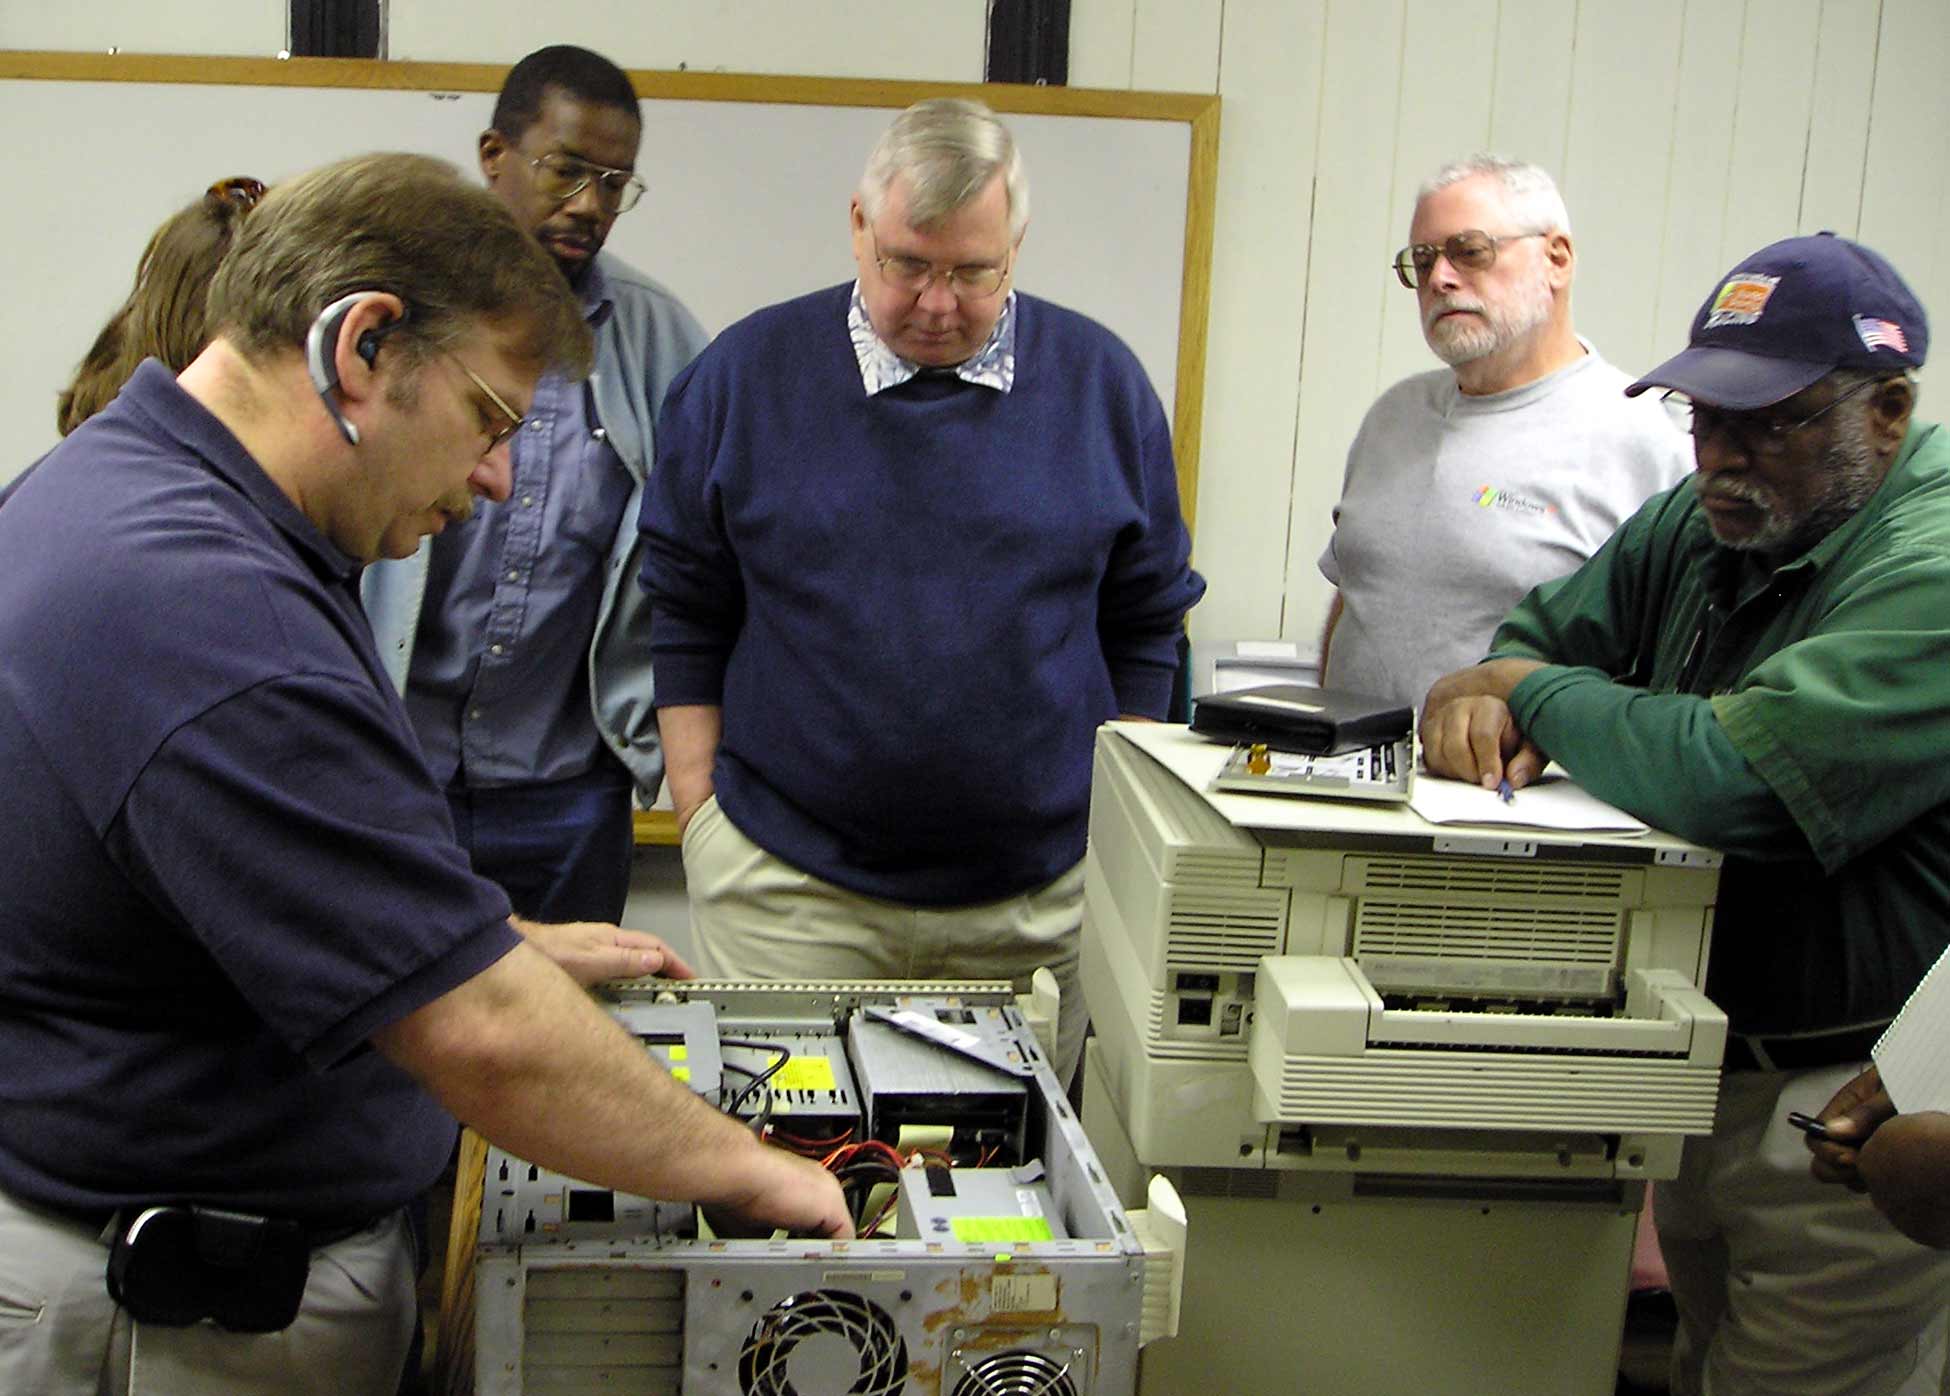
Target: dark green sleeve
x: 1660, y: 756
x: 1600, y: 615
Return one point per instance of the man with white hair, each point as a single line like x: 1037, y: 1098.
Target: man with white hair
x: 909, y: 540
x: 1466, y: 487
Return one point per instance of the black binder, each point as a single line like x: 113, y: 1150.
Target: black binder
x: 1301, y: 718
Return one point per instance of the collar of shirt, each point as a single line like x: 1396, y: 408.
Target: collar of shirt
x: 594, y: 294
x: 153, y: 390
x: 993, y: 366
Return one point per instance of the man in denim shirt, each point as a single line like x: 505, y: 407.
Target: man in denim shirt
x: 520, y: 641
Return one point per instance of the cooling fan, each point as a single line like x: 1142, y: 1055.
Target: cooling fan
x: 1021, y: 1373
x: 825, y: 1342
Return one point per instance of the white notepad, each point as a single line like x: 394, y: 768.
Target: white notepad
x: 1552, y: 801
x: 1914, y: 1054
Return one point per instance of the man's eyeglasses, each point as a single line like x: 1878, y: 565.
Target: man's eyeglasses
x: 1754, y: 434
x: 913, y: 274
x: 507, y: 429
x: 1470, y: 250
x: 240, y: 190
x: 562, y: 177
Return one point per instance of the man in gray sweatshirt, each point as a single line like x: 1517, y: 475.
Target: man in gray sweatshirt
x: 1467, y: 486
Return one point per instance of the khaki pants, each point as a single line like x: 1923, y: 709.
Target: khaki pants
x: 61, y: 1335
x: 1786, y: 1286
x: 758, y: 917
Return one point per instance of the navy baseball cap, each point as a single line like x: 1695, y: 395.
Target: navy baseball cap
x: 1792, y: 313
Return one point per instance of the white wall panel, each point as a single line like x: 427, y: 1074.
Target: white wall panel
x: 1776, y: 71
x: 1906, y: 190
x: 924, y: 40
x: 1530, y: 107
x: 1838, y: 124
x: 1442, y: 114
x: 1100, y: 43
x: 1616, y: 159
x: 1691, y: 252
x: 233, y: 28
x: 1684, y: 132
x: 1347, y: 301
x: 1271, y: 75
x: 1175, y: 45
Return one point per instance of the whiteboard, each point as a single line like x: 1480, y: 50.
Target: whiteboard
x: 747, y: 201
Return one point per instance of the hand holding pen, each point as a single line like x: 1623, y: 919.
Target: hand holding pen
x: 1469, y: 733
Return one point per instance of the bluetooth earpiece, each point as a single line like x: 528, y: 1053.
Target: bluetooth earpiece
x: 321, y: 353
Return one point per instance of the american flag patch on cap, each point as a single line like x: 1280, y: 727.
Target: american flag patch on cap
x: 1881, y: 334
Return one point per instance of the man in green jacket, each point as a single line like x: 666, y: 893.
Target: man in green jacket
x: 1759, y: 660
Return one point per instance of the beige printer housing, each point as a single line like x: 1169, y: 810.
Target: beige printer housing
x: 1261, y: 993
x: 1409, y: 1080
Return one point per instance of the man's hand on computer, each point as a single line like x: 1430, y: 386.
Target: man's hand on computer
x: 1469, y: 733
x: 781, y: 1191
x: 593, y: 951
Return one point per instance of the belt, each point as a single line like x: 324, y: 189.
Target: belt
x: 318, y: 1235
x: 1800, y: 1051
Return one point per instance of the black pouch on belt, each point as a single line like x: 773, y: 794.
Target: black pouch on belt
x: 176, y: 1265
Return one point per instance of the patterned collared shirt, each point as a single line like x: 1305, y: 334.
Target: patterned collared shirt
x: 993, y: 366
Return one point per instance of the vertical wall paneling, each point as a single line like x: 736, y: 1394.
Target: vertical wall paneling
x: 1175, y: 46
x: 1100, y: 42
x: 1906, y: 187
x: 1838, y: 121
x: 1349, y: 287
x: 1443, y: 113
x: 1623, y: 85
x: 1684, y: 132
x: 1270, y: 79
x: 244, y: 28
x: 1691, y: 251
x: 937, y: 42
x: 1776, y: 76
x: 1531, y: 98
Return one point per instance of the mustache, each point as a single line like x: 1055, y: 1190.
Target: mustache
x: 1437, y: 309
x: 1736, y: 491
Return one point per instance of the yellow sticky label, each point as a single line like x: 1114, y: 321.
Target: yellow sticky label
x: 1001, y: 1229
x: 680, y: 1073
x: 805, y: 1074
x: 679, y: 1052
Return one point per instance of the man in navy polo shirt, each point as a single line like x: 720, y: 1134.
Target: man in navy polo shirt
x: 228, y: 876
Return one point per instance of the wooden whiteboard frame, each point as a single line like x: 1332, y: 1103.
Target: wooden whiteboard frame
x: 1198, y: 111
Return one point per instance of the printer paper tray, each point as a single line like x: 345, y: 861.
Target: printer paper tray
x: 1461, y: 1090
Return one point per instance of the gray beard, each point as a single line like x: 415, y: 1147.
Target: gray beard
x: 1852, y: 471
x: 1457, y: 344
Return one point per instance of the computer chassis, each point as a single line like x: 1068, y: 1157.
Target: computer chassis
x: 1013, y: 1269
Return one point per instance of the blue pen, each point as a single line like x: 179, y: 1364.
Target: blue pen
x: 1504, y: 792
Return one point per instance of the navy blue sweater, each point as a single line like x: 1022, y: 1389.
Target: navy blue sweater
x: 914, y: 608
